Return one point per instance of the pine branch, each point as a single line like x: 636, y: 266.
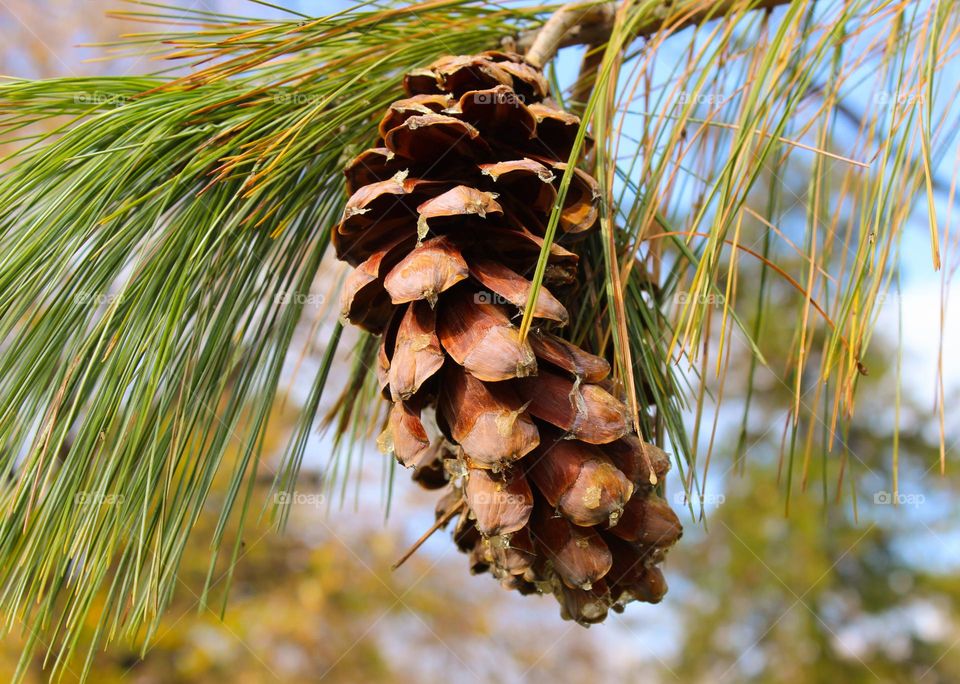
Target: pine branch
x: 590, y: 23
x: 568, y: 23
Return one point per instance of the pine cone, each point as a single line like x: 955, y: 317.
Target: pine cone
x: 444, y: 225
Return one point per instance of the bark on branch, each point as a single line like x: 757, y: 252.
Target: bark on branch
x: 590, y: 23
x: 569, y: 21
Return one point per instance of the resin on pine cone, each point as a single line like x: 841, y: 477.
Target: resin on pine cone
x: 444, y: 226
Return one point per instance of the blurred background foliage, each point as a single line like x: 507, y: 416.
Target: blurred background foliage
x: 820, y: 596
x: 844, y: 589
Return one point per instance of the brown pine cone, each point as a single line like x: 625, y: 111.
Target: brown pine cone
x: 444, y: 227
